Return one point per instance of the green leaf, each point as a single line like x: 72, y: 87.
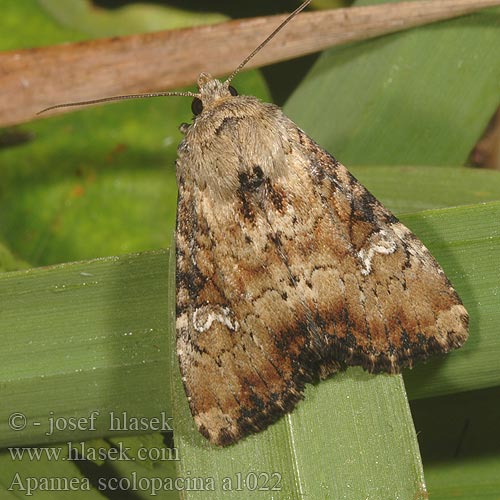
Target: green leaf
x: 134, y: 18
x: 422, y: 97
x: 97, y: 183
x: 459, y: 438
x: 35, y: 477
x: 81, y: 338
x: 9, y: 262
x: 353, y: 422
x: 466, y: 242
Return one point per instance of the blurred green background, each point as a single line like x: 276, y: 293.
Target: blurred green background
x: 403, y: 112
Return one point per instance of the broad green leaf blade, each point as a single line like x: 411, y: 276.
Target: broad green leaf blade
x: 474, y: 478
x: 151, y: 472
x: 459, y: 439
x: 82, y: 338
x: 25, y: 25
x: 135, y: 18
x: 407, y: 189
x: 466, y: 242
x: 421, y: 97
x: 353, y: 422
x: 41, y: 472
x: 35, y: 477
x: 8, y: 262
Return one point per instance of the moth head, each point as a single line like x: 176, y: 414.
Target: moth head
x: 211, y: 91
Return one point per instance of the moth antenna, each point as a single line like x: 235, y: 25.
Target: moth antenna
x: 118, y: 98
x: 299, y: 9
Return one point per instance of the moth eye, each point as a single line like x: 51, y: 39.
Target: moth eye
x: 232, y: 90
x: 196, y: 106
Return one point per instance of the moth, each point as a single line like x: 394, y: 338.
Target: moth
x: 287, y: 269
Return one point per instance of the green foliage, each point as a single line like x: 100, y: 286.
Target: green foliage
x: 96, y: 334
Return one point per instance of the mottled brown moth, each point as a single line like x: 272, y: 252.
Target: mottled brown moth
x: 288, y: 270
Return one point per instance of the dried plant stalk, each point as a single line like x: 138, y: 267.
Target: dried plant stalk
x: 33, y: 79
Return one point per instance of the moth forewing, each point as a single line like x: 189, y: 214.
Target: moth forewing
x: 288, y: 270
